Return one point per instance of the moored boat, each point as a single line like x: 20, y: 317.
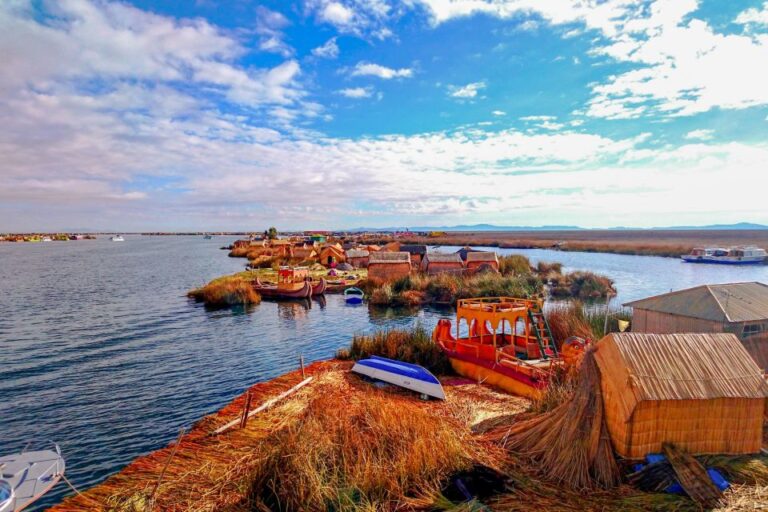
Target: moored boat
x: 353, y: 295
x: 319, y: 287
x: 292, y: 283
x: 740, y: 255
x: 508, y: 344
x: 406, y: 375
x: 26, y: 476
x: 117, y: 238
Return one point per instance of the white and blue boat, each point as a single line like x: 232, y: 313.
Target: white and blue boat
x: 732, y: 256
x: 406, y: 375
x: 354, y: 295
x: 26, y: 476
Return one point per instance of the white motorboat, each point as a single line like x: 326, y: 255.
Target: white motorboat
x: 117, y: 238
x: 26, y: 476
x: 406, y: 375
x: 749, y: 255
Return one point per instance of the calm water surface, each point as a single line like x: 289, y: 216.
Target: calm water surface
x: 101, y: 351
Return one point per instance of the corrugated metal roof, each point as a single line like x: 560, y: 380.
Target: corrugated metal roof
x: 685, y: 366
x: 389, y: 257
x: 357, y: 253
x: 481, y: 256
x: 440, y: 257
x: 733, y: 302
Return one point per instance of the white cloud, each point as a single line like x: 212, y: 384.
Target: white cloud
x: 538, y: 118
x: 357, y: 92
x: 383, y: 72
x: 700, y: 134
x: 336, y: 14
x: 269, y: 26
x: 329, y: 50
x: 498, y: 113
x: 754, y: 15
x: 362, y: 18
x: 467, y: 91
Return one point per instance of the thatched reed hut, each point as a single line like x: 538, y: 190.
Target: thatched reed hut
x: 478, y: 260
x: 416, y: 251
x: 441, y: 263
x: 358, y: 258
x: 388, y: 266
x: 331, y: 254
x: 738, y: 308
x: 701, y: 391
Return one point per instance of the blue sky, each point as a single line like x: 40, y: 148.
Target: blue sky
x: 165, y: 115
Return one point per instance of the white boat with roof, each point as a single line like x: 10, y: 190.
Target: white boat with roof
x: 117, y: 238
x: 28, y: 475
x: 740, y: 255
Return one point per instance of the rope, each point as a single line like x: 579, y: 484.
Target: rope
x: 79, y: 494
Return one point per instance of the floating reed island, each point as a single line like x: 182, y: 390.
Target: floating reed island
x: 322, y: 438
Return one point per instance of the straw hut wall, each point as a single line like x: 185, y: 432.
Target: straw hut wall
x: 475, y: 260
x: 700, y: 391
x: 331, y: 254
x: 440, y: 263
x: 358, y: 258
x: 389, y: 266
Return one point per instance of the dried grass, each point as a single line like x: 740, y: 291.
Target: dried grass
x: 226, y: 292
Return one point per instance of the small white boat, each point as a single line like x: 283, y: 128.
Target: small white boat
x: 26, y: 476
x: 117, y: 238
x: 353, y: 295
x: 749, y: 255
x: 406, y: 375
x: 47, y: 239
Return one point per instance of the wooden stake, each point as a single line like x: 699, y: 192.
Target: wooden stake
x: 301, y: 362
x: 246, y: 409
x: 162, y: 473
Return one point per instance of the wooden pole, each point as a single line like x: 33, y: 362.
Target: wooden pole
x: 301, y: 362
x: 246, y: 409
x: 607, y: 309
x: 269, y: 403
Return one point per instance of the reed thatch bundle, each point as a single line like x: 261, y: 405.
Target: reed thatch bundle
x: 569, y: 444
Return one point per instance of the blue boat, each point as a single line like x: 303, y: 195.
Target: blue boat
x: 354, y: 295
x: 406, y: 375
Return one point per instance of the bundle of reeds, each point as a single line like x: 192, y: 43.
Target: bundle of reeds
x: 570, y: 444
x: 225, y: 292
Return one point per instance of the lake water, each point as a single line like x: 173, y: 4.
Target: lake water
x: 101, y: 351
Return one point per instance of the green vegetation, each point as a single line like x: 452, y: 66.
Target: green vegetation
x: 574, y: 319
x: 580, y: 285
x: 413, y: 345
x: 227, y: 291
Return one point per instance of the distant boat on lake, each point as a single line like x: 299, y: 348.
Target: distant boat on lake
x: 732, y: 256
x: 207, y: 237
x: 117, y: 238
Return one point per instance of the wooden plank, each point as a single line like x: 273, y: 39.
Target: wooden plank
x: 266, y: 405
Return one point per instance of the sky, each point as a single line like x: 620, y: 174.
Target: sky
x: 328, y: 114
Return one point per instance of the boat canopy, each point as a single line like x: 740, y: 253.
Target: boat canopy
x: 495, y: 310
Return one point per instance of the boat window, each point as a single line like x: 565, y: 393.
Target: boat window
x: 5, y: 492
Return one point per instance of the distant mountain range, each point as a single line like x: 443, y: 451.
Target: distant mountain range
x: 491, y: 227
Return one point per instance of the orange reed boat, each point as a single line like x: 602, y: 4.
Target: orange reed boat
x: 508, y: 344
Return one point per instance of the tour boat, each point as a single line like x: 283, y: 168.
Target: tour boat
x: 117, y: 238
x: 354, y: 295
x: 26, y: 476
x: 292, y: 283
x: 749, y: 255
x: 47, y: 239
x: 207, y: 237
x: 508, y: 344
x: 406, y: 375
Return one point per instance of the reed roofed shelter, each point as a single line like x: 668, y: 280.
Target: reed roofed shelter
x: 701, y: 391
x: 358, y: 258
x: 388, y: 266
x: 478, y: 260
x: 738, y: 308
x: 416, y: 251
x: 441, y: 263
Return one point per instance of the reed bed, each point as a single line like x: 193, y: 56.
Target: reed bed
x: 576, y: 319
x: 569, y: 444
x: 227, y: 291
x: 412, y: 345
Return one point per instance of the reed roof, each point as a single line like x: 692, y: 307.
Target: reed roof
x: 680, y: 366
x: 389, y: 257
x: 440, y: 257
x: 481, y: 256
x: 357, y: 253
x: 732, y: 302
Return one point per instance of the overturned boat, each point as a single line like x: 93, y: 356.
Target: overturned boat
x: 406, y: 375
x: 353, y: 295
x: 508, y: 344
x: 26, y: 476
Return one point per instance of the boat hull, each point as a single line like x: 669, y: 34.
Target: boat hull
x: 723, y: 261
x: 498, y: 376
x: 274, y: 292
x: 406, y: 375
x: 319, y: 288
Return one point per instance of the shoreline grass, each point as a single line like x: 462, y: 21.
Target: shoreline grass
x: 227, y: 291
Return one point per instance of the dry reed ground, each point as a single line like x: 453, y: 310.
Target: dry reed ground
x: 340, y: 443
